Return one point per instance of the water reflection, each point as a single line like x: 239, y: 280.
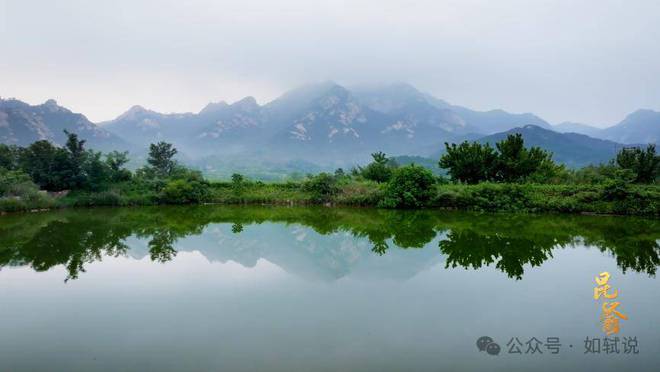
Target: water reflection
x: 74, y: 238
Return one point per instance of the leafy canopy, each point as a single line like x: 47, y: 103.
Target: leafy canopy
x: 511, y: 161
x: 644, y: 163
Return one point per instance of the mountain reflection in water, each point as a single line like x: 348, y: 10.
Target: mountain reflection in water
x: 322, y: 243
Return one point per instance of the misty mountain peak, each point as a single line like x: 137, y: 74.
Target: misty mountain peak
x: 643, y: 114
x: 247, y: 104
x: 133, y: 112
x: 52, y: 106
x: 214, y: 107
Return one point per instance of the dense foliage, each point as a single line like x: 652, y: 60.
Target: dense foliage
x: 470, y: 162
x: 511, y: 161
x: 644, y: 163
x: 508, y: 177
x: 411, y: 186
x: 380, y: 169
x: 322, y: 186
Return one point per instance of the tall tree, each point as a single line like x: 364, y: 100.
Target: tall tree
x: 644, y: 163
x: 116, y: 160
x: 46, y: 164
x: 161, y: 158
x: 76, y: 160
x: 379, y: 170
x: 8, y: 156
x: 515, y: 162
x: 469, y: 162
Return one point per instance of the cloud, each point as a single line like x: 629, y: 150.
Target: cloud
x: 591, y: 61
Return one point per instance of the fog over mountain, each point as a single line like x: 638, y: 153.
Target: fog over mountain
x: 325, y: 124
x: 589, y: 61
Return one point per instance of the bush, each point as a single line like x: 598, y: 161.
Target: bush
x: 16, y: 183
x: 90, y: 199
x: 410, y: 187
x: 322, y: 186
x: 380, y: 170
x: 182, y: 191
x: 377, y: 172
x: 618, y: 187
x: 495, y: 197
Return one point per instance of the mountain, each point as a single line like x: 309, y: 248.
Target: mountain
x: 411, y: 108
x: 642, y: 126
x: 21, y: 124
x: 217, y: 124
x: 341, y: 123
x: 140, y: 126
x: 572, y: 149
x: 489, y: 122
x: 570, y: 127
x: 325, y: 124
x: 321, y: 122
x: 639, y: 127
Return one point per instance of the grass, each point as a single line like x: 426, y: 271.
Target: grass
x: 490, y: 197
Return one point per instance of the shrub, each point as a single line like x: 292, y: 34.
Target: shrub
x: 495, y: 197
x: 618, y: 187
x: 410, y: 186
x: 322, y: 186
x: 12, y: 181
x: 446, y: 198
x: 88, y: 199
x: 182, y: 191
x: 380, y: 170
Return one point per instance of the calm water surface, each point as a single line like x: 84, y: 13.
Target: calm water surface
x: 316, y: 289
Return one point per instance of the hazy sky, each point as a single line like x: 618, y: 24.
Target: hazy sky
x: 590, y: 61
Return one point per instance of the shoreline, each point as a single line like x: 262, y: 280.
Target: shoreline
x: 637, y: 200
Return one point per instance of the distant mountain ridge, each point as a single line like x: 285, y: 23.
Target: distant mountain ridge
x: 320, y: 122
x: 324, y: 123
x: 21, y: 124
x: 572, y: 149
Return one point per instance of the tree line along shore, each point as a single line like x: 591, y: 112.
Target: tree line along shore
x: 508, y: 177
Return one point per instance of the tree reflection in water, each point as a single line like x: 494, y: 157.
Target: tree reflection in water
x: 74, y: 238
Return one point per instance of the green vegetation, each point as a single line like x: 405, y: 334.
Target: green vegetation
x: 509, y: 242
x: 380, y: 170
x: 511, y: 162
x: 508, y: 177
x: 410, y: 187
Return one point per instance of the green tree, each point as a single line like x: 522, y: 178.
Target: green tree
x: 237, y: 179
x: 411, y: 186
x: 469, y: 162
x: 644, y: 163
x: 237, y: 183
x: 161, y: 158
x: 116, y: 161
x: 97, y: 173
x: 380, y: 169
x: 47, y: 165
x: 515, y: 162
x: 77, y: 156
x: 9, y: 156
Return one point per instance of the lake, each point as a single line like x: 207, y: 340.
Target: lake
x: 210, y: 288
